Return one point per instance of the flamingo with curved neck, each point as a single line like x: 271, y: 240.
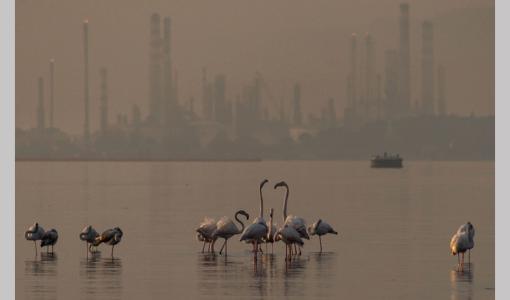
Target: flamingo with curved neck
x: 297, y: 223
x: 226, y: 228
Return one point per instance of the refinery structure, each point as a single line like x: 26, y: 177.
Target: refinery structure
x: 241, y: 128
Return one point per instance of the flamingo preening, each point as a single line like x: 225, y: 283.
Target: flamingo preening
x: 89, y: 235
x: 34, y: 233
x: 256, y: 231
x: 290, y: 237
x: 110, y: 236
x: 461, y: 242
x: 49, y: 238
x: 225, y: 228
x: 271, y: 230
x: 471, y: 234
x: 321, y: 228
x: 205, y: 233
x: 295, y: 222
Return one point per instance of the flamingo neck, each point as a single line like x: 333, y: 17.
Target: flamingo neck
x: 261, y: 204
x: 237, y: 219
x: 285, y: 203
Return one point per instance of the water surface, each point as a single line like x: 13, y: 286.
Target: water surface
x: 394, y: 230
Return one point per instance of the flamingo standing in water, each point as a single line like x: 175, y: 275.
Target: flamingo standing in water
x: 34, y: 233
x: 49, y: 238
x: 205, y: 233
x: 271, y: 230
x: 89, y: 235
x: 470, y: 229
x: 225, y: 228
x: 290, y: 237
x: 295, y: 222
x: 461, y: 242
x: 111, y: 237
x: 321, y: 228
x: 257, y: 231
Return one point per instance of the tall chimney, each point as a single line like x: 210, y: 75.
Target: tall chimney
x: 427, y: 69
x: 354, y: 73
x: 369, y: 74
x: 168, y: 101
x: 441, y: 98
x: 40, y: 105
x: 86, y: 129
x: 155, y: 81
x: 404, y: 82
x: 103, y: 73
x: 52, y: 68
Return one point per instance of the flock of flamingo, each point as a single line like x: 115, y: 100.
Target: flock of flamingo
x: 89, y: 235
x: 292, y: 233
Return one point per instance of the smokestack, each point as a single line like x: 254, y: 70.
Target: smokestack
x: 168, y: 102
x: 441, y: 99
x: 297, y: 116
x: 155, y: 81
x: 369, y: 73
x: 354, y: 73
x: 404, y: 61
x: 86, y: 129
x: 40, y: 106
x: 427, y: 68
x: 103, y: 73
x: 52, y: 68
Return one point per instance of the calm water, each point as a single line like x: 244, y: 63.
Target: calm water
x: 394, y: 230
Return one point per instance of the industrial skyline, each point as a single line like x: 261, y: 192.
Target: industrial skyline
x: 375, y: 93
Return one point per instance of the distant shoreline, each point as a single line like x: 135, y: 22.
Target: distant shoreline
x: 236, y: 160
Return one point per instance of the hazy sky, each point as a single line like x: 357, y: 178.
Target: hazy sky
x: 285, y: 40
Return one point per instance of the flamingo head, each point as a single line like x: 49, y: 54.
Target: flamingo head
x: 263, y: 182
x: 281, y: 183
x: 244, y: 213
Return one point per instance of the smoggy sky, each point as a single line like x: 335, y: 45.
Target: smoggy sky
x: 285, y: 40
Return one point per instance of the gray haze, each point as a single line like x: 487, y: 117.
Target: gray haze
x: 286, y: 41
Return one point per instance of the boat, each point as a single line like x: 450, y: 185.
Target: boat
x: 386, y: 161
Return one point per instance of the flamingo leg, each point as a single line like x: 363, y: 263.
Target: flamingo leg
x: 112, y: 250
x: 320, y: 242
x: 226, y: 245
x: 272, y: 248
x: 203, y: 247
x: 223, y: 246
x: 35, y: 247
x: 462, y: 262
x: 469, y: 257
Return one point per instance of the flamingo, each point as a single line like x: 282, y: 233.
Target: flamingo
x: 298, y: 223
x: 225, y: 228
x: 34, y: 233
x: 89, y: 234
x: 289, y: 236
x: 110, y: 236
x: 49, y: 238
x: 470, y: 229
x: 257, y: 231
x: 321, y: 228
x: 271, y: 230
x: 205, y: 231
x: 459, y: 245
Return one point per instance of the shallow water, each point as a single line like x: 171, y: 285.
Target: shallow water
x: 394, y: 230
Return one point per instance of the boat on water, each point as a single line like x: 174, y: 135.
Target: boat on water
x: 386, y: 161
